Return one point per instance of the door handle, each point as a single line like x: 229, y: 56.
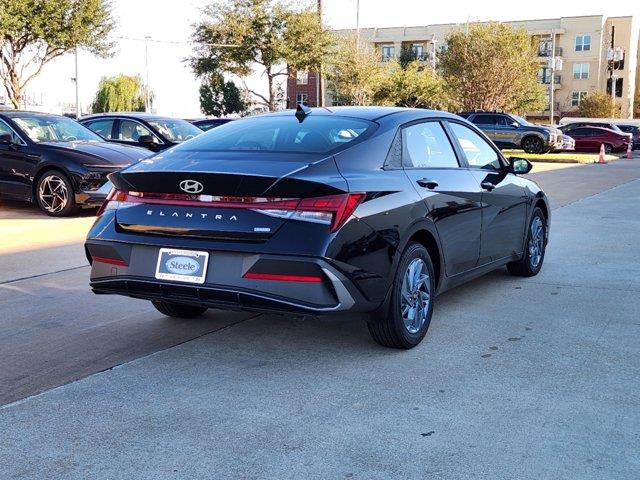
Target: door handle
x: 425, y: 182
x: 488, y: 186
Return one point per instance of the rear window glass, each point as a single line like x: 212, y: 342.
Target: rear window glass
x: 321, y: 134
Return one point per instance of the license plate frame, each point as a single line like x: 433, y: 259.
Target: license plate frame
x: 189, y: 258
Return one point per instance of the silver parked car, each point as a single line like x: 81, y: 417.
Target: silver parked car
x: 511, y: 131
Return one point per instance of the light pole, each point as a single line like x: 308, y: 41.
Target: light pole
x: 552, y: 65
x: 78, y: 110
x: 146, y: 66
x: 319, y: 79
x: 357, y: 23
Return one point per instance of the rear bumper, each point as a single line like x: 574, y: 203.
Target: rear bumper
x: 224, y: 285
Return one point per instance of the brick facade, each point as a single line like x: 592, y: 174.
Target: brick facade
x: 310, y: 89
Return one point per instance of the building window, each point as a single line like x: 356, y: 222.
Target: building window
x: 301, y: 98
x: 544, y: 75
x: 388, y: 51
x: 577, y: 97
x: 583, y: 43
x: 618, y: 85
x: 544, y: 48
x: 302, y: 78
x: 580, y: 71
x: 417, y: 51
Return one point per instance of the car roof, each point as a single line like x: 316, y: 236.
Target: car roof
x: 209, y: 119
x: 596, y: 128
x: 365, y: 113
x: 134, y: 115
x: 20, y: 113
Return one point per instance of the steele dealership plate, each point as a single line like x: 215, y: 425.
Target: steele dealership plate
x: 182, y: 265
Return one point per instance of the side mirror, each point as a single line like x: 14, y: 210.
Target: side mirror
x: 148, y: 141
x: 520, y: 166
x: 6, y: 138
x: 514, y: 124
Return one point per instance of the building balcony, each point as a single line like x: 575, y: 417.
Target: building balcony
x: 557, y: 81
x: 545, y: 53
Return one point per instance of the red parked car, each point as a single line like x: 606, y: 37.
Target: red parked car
x: 589, y: 139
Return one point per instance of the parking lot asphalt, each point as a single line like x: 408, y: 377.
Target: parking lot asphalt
x: 532, y: 378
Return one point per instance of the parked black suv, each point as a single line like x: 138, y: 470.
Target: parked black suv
x: 511, y: 131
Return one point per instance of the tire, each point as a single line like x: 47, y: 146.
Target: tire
x: 532, y: 145
x: 531, y: 262
x: 178, y: 310
x: 608, y: 148
x: 389, y: 327
x: 55, y: 195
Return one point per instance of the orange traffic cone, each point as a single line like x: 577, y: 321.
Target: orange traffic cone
x: 629, y: 152
x: 601, y: 156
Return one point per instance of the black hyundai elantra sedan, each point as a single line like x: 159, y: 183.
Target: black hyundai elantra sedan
x: 57, y: 163
x: 358, y: 209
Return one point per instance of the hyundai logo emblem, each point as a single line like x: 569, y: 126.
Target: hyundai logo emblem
x: 191, y: 186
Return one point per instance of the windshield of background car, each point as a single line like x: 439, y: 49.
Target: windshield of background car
x: 521, y: 120
x: 175, y: 130
x: 284, y: 134
x: 55, y: 129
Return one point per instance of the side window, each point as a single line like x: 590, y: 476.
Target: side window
x: 101, y: 127
x: 6, y: 130
x: 131, y: 131
x: 478, y: 152
x: 426, y: 145
x: 503, y: 120
x: 484, y: 119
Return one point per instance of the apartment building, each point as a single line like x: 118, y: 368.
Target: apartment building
x: 582, y: 47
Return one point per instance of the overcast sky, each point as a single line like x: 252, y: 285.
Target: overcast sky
x: 168, y: 23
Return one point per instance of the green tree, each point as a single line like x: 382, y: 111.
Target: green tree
x: 492, y: 67
x: 415, y: 85
x: 219, y: 97
x: 239, y: 37
x: 122, y: 93
x: 34, y: 32
x: 598, y: 105
x: 354, y: 72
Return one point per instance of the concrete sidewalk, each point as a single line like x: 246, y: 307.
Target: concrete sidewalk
x: 527, y: 379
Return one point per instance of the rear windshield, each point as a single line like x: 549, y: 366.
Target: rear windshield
x: 321, y: 134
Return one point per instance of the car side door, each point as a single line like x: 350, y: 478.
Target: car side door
x: 505, y: 202
x: 487, y: 123
x: 130, y: 132
x: 16, y: 164
x: 450, y: 191
x: 507, y: 134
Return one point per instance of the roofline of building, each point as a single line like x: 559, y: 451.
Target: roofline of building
x: 476, y: 22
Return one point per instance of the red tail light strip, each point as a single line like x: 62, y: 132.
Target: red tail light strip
x: 339, y: 206
x: 282, y: 278
x: 110, y: 261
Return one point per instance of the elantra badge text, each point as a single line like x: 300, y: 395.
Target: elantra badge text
x: 216, y: 216
x: 191, y: 186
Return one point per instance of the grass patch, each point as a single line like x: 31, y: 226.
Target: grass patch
x: 563, y: 157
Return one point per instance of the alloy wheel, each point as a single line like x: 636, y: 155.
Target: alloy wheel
x: 415, y: 295
x: 536, y: 241
x: 53, y: 194
x: 532, y: 145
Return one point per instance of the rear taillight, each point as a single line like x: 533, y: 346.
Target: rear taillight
x: 115, y: 199
x: 333, y: 210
